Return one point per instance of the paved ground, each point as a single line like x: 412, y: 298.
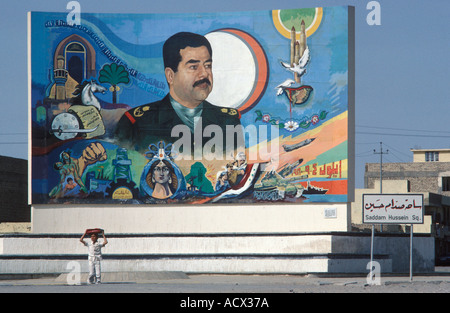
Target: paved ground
x: 232, y: 293
x: 176, y: 282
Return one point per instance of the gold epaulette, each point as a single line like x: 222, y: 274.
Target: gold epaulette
x: 140, y: 111
x: 229, y: 111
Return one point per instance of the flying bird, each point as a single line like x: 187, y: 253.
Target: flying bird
x: 286, y: 84
x: 300, y: 67
x: 296, y: 95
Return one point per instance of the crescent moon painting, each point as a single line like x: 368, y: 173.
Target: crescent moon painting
x: 240, y: 71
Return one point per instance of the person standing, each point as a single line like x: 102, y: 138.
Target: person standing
x: 95, y: 256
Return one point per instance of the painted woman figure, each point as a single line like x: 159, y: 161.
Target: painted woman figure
x: 161, y: 178
x: 222, y: 183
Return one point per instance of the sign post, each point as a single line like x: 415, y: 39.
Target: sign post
x: 393, y: 209
x: 410, y: 253
x: 371, y: 246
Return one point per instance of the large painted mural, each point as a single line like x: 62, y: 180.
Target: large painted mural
x: 238, y: 107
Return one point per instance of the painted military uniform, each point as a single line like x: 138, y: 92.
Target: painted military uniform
x: 151, y: 123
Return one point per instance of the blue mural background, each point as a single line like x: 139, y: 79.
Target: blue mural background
x: 135, y: 42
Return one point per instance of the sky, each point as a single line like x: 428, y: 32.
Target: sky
x: 402, y: 96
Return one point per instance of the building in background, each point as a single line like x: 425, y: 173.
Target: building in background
x: 429, y: 174
x: 429, y: 171
x: 14, y: 190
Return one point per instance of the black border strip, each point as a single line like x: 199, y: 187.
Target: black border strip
x: 333, y: 256
x: 172, y: 235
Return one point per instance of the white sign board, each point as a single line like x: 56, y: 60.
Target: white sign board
x: 393, y: 209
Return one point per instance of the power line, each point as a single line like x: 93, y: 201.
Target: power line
x: 405, y: 129
x: 366, y: 143
x: 389, y: 160
x: 397, y: 151
x: 403, y: 135
x: 364, y: 154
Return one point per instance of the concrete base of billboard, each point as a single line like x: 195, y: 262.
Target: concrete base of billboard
x: 246, y: 253
x: 178, y: 219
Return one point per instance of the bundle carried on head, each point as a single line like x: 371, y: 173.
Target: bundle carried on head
x: 94, y: 231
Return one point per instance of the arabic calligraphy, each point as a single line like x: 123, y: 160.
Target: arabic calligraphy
x: 394, y: 208
x: 393, y: 204
x: 330, y: 170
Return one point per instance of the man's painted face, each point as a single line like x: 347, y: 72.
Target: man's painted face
x: 193, y: 81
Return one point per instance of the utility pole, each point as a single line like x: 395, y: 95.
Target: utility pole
x: 381, y: 171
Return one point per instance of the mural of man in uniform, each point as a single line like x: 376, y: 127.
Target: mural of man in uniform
x: 188, y: 70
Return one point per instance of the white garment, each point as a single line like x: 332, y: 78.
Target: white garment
x: 95, y: 250
x: 94, y: 257
x: 94, y: 271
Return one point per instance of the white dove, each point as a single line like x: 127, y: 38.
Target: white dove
x: 285, y: 84
x: 299, y: 68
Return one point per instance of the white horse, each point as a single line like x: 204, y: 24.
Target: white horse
x: 87, y: 94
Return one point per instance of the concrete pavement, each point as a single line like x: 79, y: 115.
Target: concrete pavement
x: 178, y: 282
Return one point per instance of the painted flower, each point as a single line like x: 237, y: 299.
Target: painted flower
x: 266, y: 118
x: 291, y: 126
x: 315, y: 119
